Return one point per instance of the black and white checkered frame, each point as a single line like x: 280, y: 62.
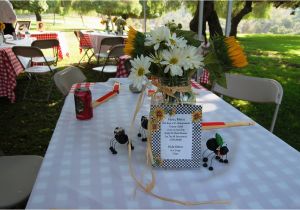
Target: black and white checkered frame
x: 195, y: 162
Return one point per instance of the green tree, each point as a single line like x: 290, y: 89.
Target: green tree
x: 38, y: 7
x: 35, y: 6
x: 54, y: 7
x: 130, y: 8
x: 83, y: 7
x: 155, y: 9
x: 241, y: 9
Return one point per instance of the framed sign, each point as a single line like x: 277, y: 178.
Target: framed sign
x: 40, y: 26
x: 22, y: 26
x: 176, y: 135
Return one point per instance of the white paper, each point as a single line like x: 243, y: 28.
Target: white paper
x: 176, y: 137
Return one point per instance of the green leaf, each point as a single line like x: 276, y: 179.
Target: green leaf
x: 219, y: 139
x: 190, y: 36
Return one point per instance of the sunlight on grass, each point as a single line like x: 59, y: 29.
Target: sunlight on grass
x: 295, y: 52
x: 53, y: 104
x: 240, y: 103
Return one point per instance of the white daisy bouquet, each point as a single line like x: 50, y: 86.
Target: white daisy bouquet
x: 172, y: 57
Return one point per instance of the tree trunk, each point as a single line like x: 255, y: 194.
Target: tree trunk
x: 239, y: 16
x: 82, y: 20
x: 54, y: 18
x: 38, y: 16
x: 209, y: 15
x: 212, y: 18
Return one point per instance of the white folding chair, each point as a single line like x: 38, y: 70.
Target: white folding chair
x: 46, y: 44
x: 34, y: 52
x: 107, y: 42
x: 80, y: 37
x: 17, y: 177
x: 254, y: 89
x: 115, y: 52
x: 66, y: 78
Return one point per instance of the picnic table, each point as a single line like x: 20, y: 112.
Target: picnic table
x: 10, y: 67
x: 79, y: 171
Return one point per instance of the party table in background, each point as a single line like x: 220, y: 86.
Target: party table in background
x: 10, y: 67
x: 79, y: 170
x: 94, y: 39
x: 63, y: 47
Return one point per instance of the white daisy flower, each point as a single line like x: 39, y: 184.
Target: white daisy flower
x: 192, y: 58
x: 140, y: 67
x: 157, y: 36
x: 173, y: 60
x: 156, y: 57
x: 178, y: 42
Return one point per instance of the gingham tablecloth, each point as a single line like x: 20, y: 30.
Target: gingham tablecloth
x: 62, y: 49
x: 79, y: 171
x: 10, y: 68
x: 94, y: 39
x: 85, y: 42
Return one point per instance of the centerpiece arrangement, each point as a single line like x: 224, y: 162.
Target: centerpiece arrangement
x: 173, y: 56
x: 170, y: 57
x: 120, y: 24
x: 106, y: 22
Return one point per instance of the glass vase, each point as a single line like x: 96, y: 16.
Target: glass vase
x: 181, y: 91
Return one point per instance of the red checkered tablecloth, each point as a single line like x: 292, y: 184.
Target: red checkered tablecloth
x: 10, y: 68
x: 85, y: 42
x: 204, y: 79
x: 196, y: 85
x: 53, y: 35
x: 121, y: 70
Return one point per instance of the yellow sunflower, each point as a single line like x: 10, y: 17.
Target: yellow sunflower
x: 2, y: 26
x: 114, y: 19
x: 103, y: 22
x: 235, y: 52
x: 129, y: 43
x: 159, y: 114
x: 196, y: 116
x: 154, y: 126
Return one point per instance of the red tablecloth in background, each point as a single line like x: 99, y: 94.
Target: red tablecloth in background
x: 10, y: 68
x: 53, y: 35
x: 121, y: 70
x: 85, y: 42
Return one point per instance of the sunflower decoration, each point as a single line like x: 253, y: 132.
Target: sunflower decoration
x: 235, y: 52
x: 159, y: 114
x: 134, y: 45
x: 224, y: 54
x: 103, y: 21
x: 154, y: 126
x: 196, y: 116
x: 114, y: 19
x: 2, y: 27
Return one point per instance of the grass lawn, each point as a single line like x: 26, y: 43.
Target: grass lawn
x: 27, y: 127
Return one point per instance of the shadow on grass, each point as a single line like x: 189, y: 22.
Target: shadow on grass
x: 27, y: 126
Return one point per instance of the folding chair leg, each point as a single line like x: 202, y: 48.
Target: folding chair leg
x: 90, y: 58
x: 82, y: 57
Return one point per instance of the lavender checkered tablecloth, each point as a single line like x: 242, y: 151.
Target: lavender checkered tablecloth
x: 79, y: 171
